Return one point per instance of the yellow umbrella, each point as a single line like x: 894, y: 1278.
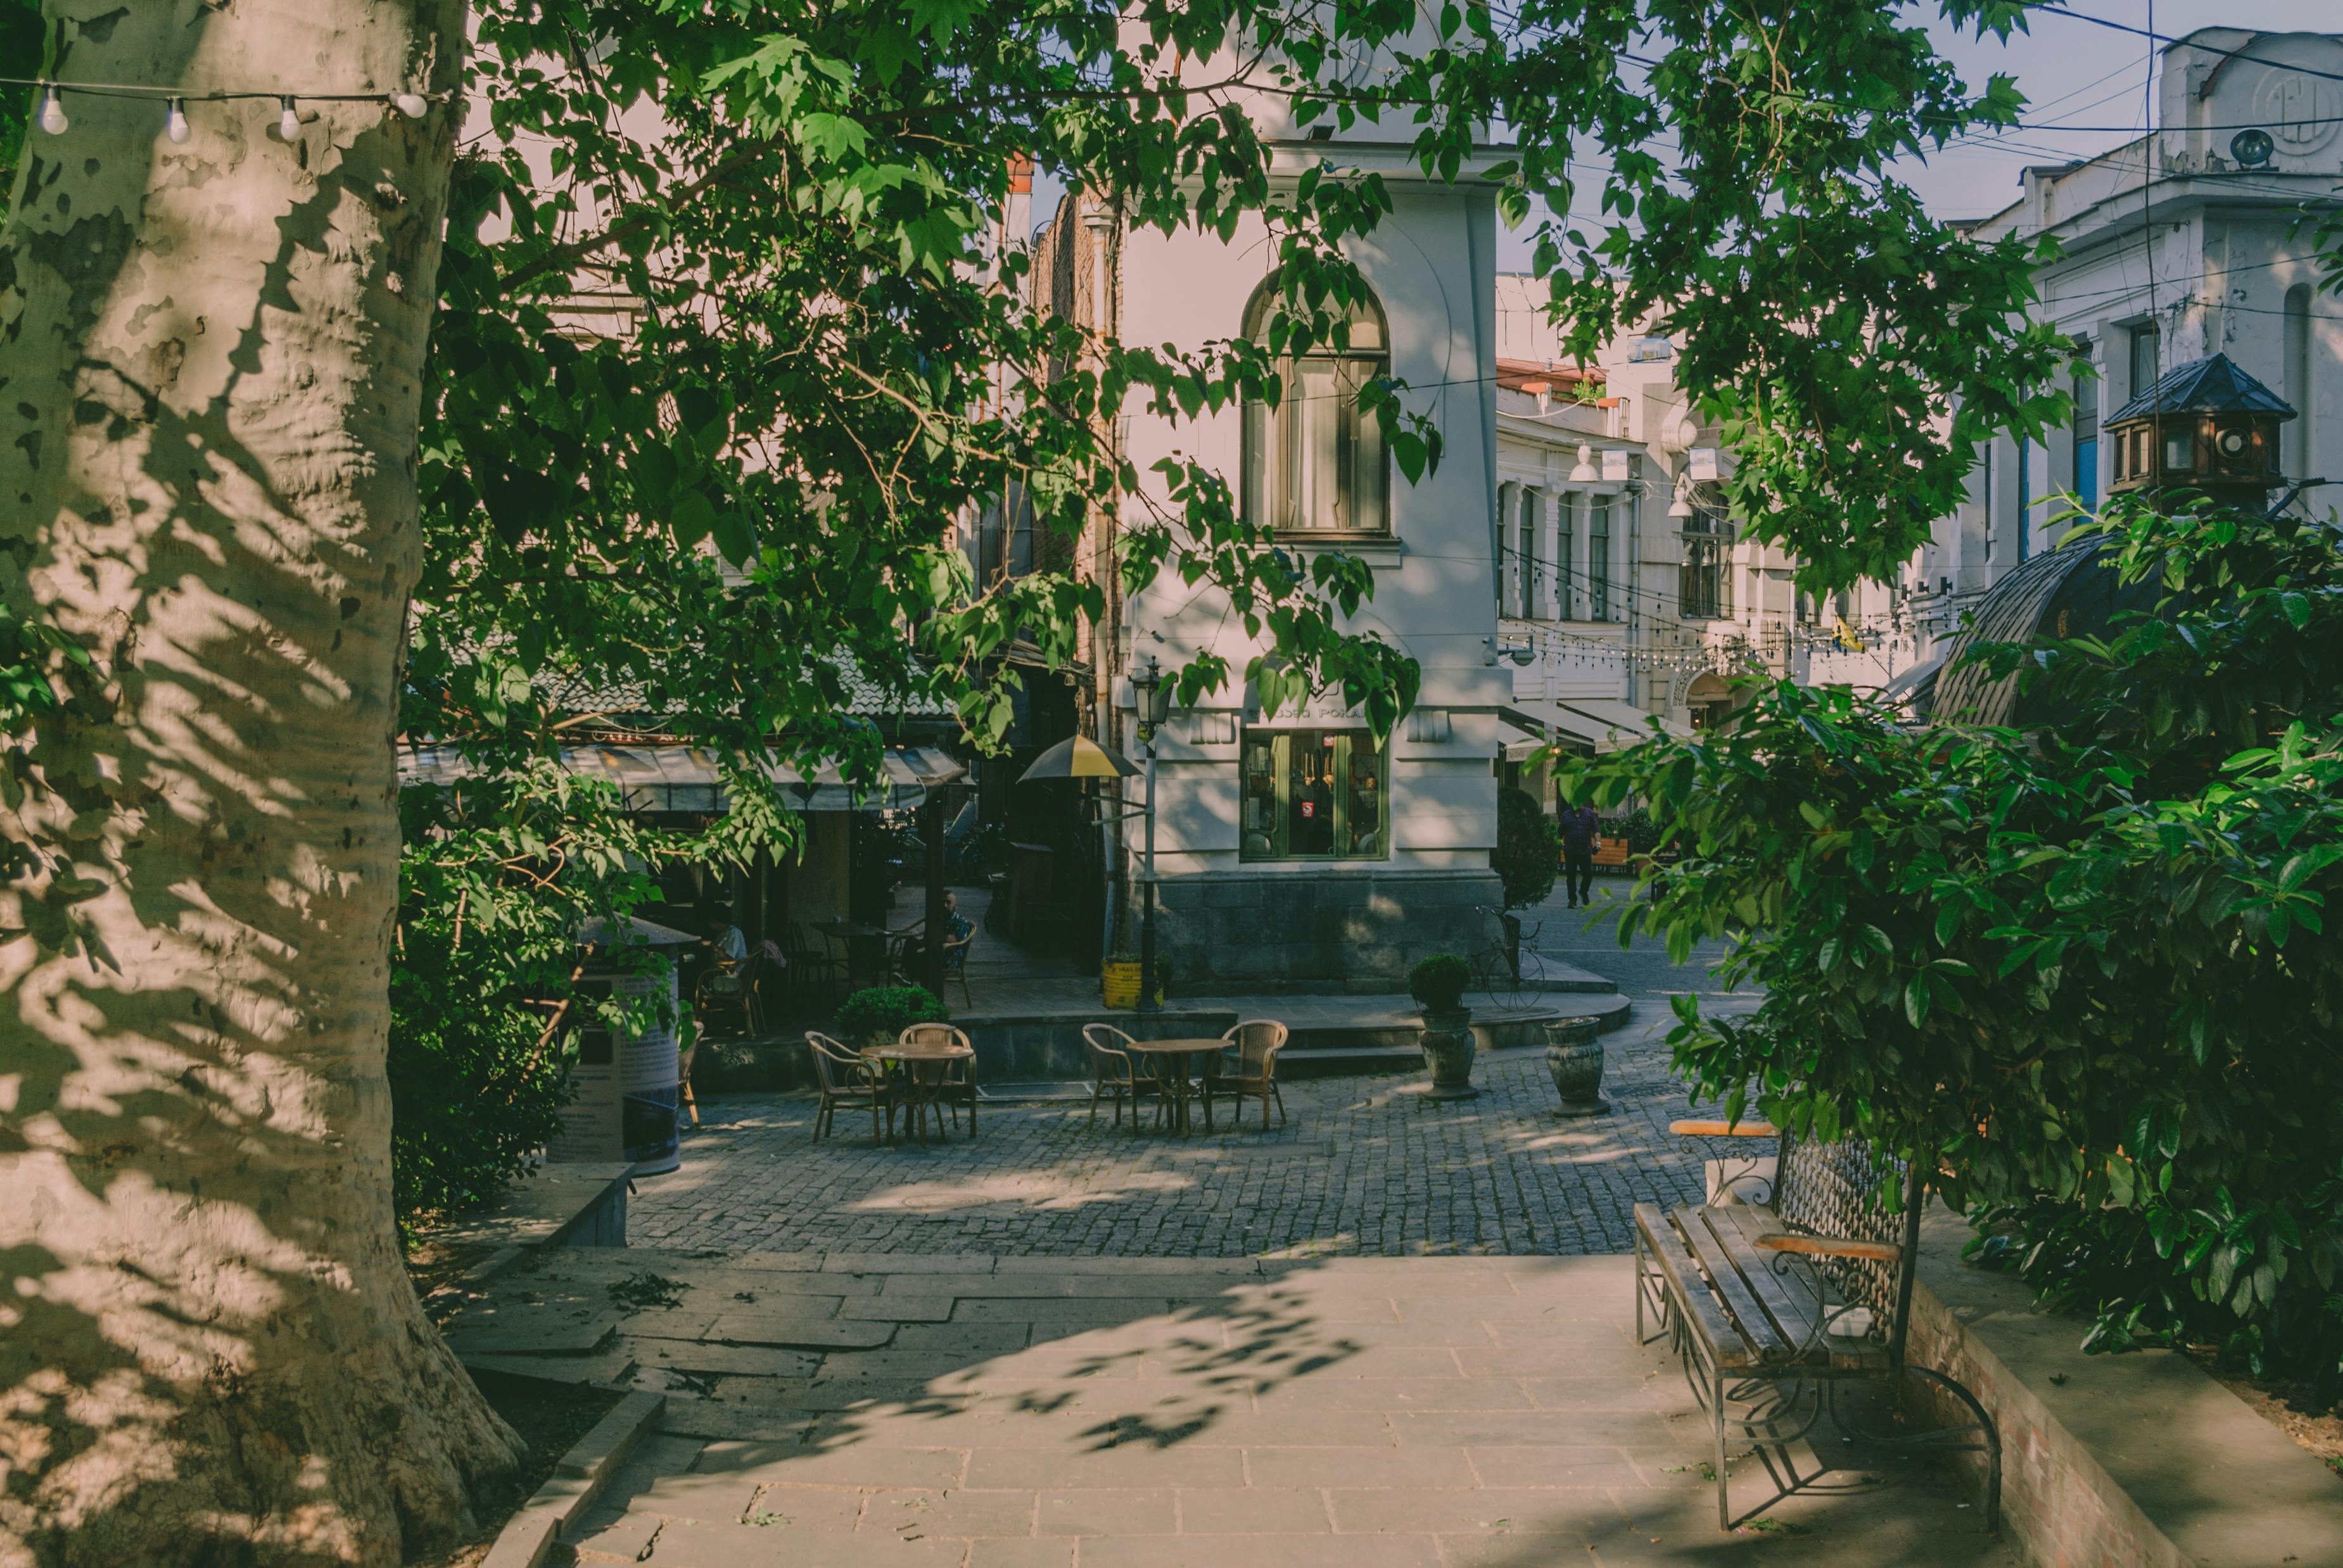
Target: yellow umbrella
x: 1080, y: 756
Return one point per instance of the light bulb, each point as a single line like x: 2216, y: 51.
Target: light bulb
x: 288, y: 124
x: 175, y: 123
x: 52, y: 115
x: 412, y: 105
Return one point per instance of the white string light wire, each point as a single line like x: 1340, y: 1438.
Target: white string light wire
x: 51, y: 116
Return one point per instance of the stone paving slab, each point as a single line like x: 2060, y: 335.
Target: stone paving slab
x: 1285, y: 1420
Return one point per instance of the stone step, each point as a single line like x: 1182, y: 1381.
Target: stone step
x: 1493, y: 1030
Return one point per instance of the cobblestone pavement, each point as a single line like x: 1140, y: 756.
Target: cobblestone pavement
x: 1362, y: 1166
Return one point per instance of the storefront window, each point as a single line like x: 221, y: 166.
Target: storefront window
x: 1315, y: 795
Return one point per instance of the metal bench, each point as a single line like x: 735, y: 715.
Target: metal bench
x: 1793, y: 1279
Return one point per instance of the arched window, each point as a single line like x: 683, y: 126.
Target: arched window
x: 1314, y: 462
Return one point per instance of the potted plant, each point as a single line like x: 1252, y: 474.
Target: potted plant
x: 878, y: 1015
x: 1438, y: 985
x: 1573, y: 1059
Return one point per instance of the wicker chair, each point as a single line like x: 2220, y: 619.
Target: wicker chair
x: 1256, y: 1042
x: 725, y: 994
x: 960, y: 1077
x: 813, y: 972
x: 1111, y: 1072
x: 847, y: 1079
x: 956, y: 966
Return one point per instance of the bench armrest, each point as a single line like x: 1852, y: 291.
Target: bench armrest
x: 1830, y: 1246
x: 1723, y: 1130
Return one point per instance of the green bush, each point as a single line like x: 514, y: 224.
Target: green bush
x: 1438, y: 982
x: 476, y: 1087
x: 2085, y: 970
x: 883, y: 1011
x: 1636, y: 827
x: 1529, y: 849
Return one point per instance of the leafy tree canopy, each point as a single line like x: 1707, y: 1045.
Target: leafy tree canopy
x: 731, y: 335
x: 2086, y: 967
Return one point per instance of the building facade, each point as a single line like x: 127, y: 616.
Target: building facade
x: 2175, y: 246
x: 1297, y: 848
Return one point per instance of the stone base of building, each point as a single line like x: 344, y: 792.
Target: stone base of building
x: 1337, y: 931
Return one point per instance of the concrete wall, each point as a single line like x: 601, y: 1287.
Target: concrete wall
x: 1348, y: 928
x: 2134, y: 1461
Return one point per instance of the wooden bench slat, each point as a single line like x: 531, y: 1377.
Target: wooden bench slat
x: 1690, y: 1292
x: 1716, y: 1262
x: 1790, y: 1303
x: 1843, y: 1352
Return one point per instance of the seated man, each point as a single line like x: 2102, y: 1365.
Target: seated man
x: 959, y: 930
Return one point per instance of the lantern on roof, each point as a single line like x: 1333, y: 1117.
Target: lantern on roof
x: 2206, y: 426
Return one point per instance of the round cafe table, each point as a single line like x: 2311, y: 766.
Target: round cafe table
x: 921, y: 1080
x: 1174, y: 1079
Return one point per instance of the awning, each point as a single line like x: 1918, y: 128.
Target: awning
x: 685, y: 778
x: 1522, y: 744
x: 1916, y: 687
x: 1625, y: 717
x: 1597, y: 722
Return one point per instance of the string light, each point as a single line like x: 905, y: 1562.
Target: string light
x: 52, y: 117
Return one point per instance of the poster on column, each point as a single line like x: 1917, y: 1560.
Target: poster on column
x: 629, y: 1084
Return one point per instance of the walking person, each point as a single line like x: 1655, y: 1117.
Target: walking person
x: 1579, y: 828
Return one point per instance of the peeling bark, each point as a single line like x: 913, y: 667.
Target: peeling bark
x: 210, y: 357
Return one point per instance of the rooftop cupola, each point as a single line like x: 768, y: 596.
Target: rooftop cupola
x: 2205, y: 426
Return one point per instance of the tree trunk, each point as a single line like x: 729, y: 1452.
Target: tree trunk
x: 210, y: 357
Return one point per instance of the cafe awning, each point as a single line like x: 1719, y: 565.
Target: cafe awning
x: 1598, y: 722
x: 686, y: 778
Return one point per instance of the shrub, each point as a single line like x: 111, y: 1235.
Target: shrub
x: 476, y: 1086
x: 1637, y: 827
x: 2086, y: 972
x: 884, y: 1011
x: 1438, y: 982
x: 1529, y: 849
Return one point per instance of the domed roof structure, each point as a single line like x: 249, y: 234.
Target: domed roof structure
x: 2072, y: 590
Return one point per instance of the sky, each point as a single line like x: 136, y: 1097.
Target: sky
x: 2075, y: 75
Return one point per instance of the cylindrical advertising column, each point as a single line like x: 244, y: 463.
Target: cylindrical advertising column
x: 628, y: 1085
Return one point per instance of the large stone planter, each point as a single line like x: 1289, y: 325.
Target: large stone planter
x: 1446, y: 1040
x: 1573, y: 1056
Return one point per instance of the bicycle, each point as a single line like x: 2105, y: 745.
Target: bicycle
x: 1508, y: 967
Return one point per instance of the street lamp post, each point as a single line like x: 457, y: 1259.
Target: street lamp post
x: 1153, y: 704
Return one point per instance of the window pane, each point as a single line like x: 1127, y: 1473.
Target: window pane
x: 1261, y: 825
x: 1318, y: 502
x: 1532, y: 579
x: 1565, y: 556
x: 1598, y: 558
x: 1317, y: 462
x: 1254, y: 496
x: 2143, y: 359
x: 1309, y: 793
x: 1362, y: 798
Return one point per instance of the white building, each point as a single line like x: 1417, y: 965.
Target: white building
x: 1295, y: 848
x: 1628, y: 590
x: 2175, y: 245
